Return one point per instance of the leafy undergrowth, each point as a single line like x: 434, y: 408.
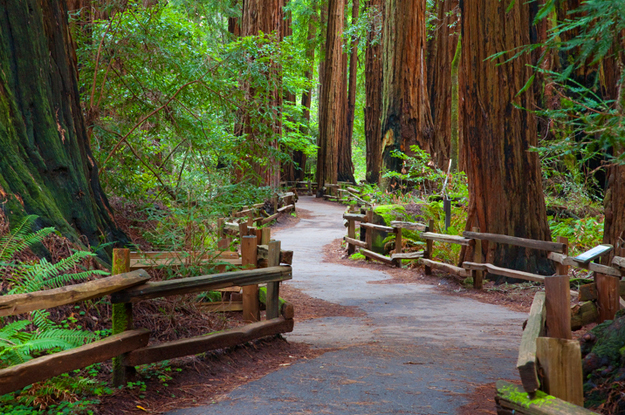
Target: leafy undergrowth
x: 603, y: 349
x: 36, y: 334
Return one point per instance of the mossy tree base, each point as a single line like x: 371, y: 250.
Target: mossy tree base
x: 46, y: 165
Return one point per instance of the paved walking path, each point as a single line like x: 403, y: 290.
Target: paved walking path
x: 415, y: 352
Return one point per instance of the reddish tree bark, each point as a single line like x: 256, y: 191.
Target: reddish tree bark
x: 332, y: 114
x: 373, y: 90
x: 442, y: 49
x: 406, y: 116
x: 505, y: 187
x: 346, y: 165
x: 265, y: 16
x: 614, y: 225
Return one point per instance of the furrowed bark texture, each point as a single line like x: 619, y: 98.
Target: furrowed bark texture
x: 373, y: 91
x: 614, y: 208
x: 332, y: 114
x: 289, y: 168
x: 346, y: 165
x: 505, y: 187
x: 299, y: 157
x: 266, y: 16
x: 46, y: 165
x: 442, y: 50
x: 406, y: 116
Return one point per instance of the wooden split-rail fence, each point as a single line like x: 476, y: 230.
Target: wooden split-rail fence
x: 263, y: 262
x: 549, y: 362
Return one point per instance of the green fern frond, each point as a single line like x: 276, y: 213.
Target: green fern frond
x: 21, y: 238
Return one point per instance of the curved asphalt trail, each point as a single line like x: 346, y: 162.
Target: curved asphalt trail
x: 415, y: 352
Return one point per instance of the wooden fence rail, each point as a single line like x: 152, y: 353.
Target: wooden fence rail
x: 128, y: 347
x: 606, y: 285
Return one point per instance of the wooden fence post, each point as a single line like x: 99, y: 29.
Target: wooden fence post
x: 251, y: 309
x: 398, y: 246
x: 478, y: 276
x: 273, y: 288
x: 242, y: 231
x: 558, y: 305
x: 121, y: 317
x: 351, y: 233
x: 265, y: 236
x: 368, y: 232
x: 563, y: 269
x: 561, y: 363
x: 429, y: 246
x: 607, y: 296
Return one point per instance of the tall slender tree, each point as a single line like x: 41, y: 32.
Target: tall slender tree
x: 373, y: 89
x: 332, y: 114
x: 406, y: 116
x: 614, y: 89
x: 506, y: 194
x: 265, y: 17
x: 299, y: 157
x: 46, y: 165
x: 442, y: 49
x: 346, y: 165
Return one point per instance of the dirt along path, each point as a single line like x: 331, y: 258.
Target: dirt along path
x: 412, y: 350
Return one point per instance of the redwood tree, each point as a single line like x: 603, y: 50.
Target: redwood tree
x: 614, y: 225
x: 46, y: 165
x: 265, y: 16
x: 506, y: 194
x: 373, y: 90
x: 331, y: 112
x: 346, y: 165
x: 442, y: 49
x: 406, y: 117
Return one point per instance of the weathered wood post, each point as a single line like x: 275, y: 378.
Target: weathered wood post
x: 251, y: 309
x: 223, y: 242
x: 429, y: 247
x: 273, y: 288
x: 558, y: 305
x: 559, y: 356
x: 368, y: 232
x: 351, y: 233
x: 478, y: 276
x: 607, y: 296
x: 398, y: 246
x: 558, y: 300
x: 121, y: 317
x: 242, y: 231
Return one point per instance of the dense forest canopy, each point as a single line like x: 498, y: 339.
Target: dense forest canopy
x: 217, y: 102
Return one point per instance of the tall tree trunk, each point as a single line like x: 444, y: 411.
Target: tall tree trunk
x: 373, y: 90
x: 613, y: 89
x: 346, y: 165
x: 406, y: 116
x: 289, y: 168
x: 265, y: 16
x: 299, y: 157
x: 332, y: 114
x: 46, y: 165
x: 234, y: 22
x: 442, y: 52
x: 506, y: 194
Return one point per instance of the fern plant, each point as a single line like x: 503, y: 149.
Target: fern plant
x: 21, y: 340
